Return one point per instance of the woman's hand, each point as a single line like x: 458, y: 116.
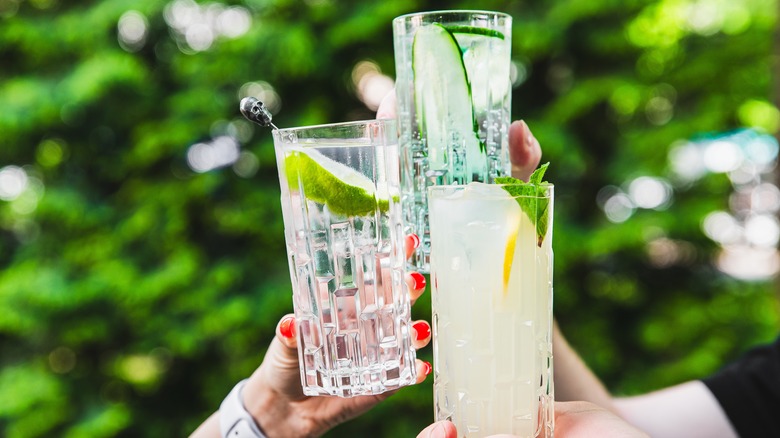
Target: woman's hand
x: 572, y: 420
x: 274, y: 396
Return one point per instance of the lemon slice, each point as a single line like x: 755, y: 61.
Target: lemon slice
x: 509, y: 252
x: 344, y: 190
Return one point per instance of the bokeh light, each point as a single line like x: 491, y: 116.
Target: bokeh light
x: 722, y: 227
x: 748, y: 263
x: 13, y: 182
x: 649, y: 192
x: 686, y: 161
x: 370, y: 84
x: 219, y: 152
x: 762, y: 230
x: 196, y: 27
x: 264, y: 92
x: 619, y: 207
x: 518, y: 73
x: 750, y: 230
x: 132, y: 31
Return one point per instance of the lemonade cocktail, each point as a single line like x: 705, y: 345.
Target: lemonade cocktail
x: 342, y: 220
x: 491, y: 267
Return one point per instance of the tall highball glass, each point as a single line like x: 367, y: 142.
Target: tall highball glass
x: 345, y: 242
x: 454, y: 93
x: 491, y: 268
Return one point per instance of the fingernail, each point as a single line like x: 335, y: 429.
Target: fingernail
x: 423, y: 330
x: 287, y: 327
x: 428, y: 367
x: 419, y: 280
x: 529, y: 137
x: 438, y: 431
x: 413, y: 240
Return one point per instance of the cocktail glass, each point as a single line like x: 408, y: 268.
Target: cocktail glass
x: 342, y: 220
x: 454, y: 92
x: 491, y: 268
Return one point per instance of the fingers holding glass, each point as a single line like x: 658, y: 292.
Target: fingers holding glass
x: 423, y: 369
x: 524, y: 150
x: 286, y: 331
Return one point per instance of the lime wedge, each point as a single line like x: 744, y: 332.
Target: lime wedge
x: 344, y: 190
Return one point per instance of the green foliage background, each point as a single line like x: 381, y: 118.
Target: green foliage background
x: 135, y: 292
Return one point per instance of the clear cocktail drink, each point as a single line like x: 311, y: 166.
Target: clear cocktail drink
x: 491, y: 267
x: 454, y: 94
x: 342, y: 220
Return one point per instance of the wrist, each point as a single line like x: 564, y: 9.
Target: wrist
x: 269, y: 409
x: 234, y: 419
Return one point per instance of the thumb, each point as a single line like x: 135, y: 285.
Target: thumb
x: 524, y: 150
x: 386, y: 108
x: 287, y: 331
x: 439, y: 429
x: 280, y: 366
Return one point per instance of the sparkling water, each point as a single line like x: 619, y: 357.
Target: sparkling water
x: 487, y: 63
x: 351, y: 305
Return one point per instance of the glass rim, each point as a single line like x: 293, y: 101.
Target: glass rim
x: 384, y: 121
x: 548, y: 188
x: 406, y: 17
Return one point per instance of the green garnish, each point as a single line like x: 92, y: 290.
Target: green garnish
x: 531, y: 197
x: 344, y: 190
x: 475, y: 31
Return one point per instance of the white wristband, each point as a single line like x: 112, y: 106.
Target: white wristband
x: 234, y: 420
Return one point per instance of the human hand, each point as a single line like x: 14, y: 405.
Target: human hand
x: 274, y: 396
x: 572, y: 420
x: 524, y: 150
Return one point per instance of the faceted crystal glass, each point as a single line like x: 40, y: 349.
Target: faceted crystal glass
x: 491, y: 268
x: 342, y: 219
x: 453, y: 91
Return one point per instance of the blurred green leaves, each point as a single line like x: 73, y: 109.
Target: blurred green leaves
x: 135, y: 291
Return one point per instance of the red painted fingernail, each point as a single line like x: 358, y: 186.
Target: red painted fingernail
x: 419, y: 280
x: 287, y: 327
x: 428, y: 367
x: 413, y: 240
x: 423, y: 330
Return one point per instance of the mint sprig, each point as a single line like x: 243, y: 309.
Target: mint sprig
x: 531, y: 197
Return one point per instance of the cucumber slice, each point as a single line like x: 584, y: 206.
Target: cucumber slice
x: 487, y: 66
x: 473, y: 30
x: 443, y: 101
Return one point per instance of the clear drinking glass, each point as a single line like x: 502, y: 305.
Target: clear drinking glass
x: 454, y: 94
x: 342, y: 220
x: 491, y: 268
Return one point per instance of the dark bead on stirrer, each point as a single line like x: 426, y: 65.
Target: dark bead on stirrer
x: 255, y: 111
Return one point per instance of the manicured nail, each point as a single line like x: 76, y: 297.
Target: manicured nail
x: 529, y: 137
x: 438, y: 431
x: 287, y: 327
x: 419, y: 280
x: 423, y: 330
x: 428, y: 367
x: 413, y: 240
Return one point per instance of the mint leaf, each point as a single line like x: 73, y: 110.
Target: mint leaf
x: 530, y: 196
